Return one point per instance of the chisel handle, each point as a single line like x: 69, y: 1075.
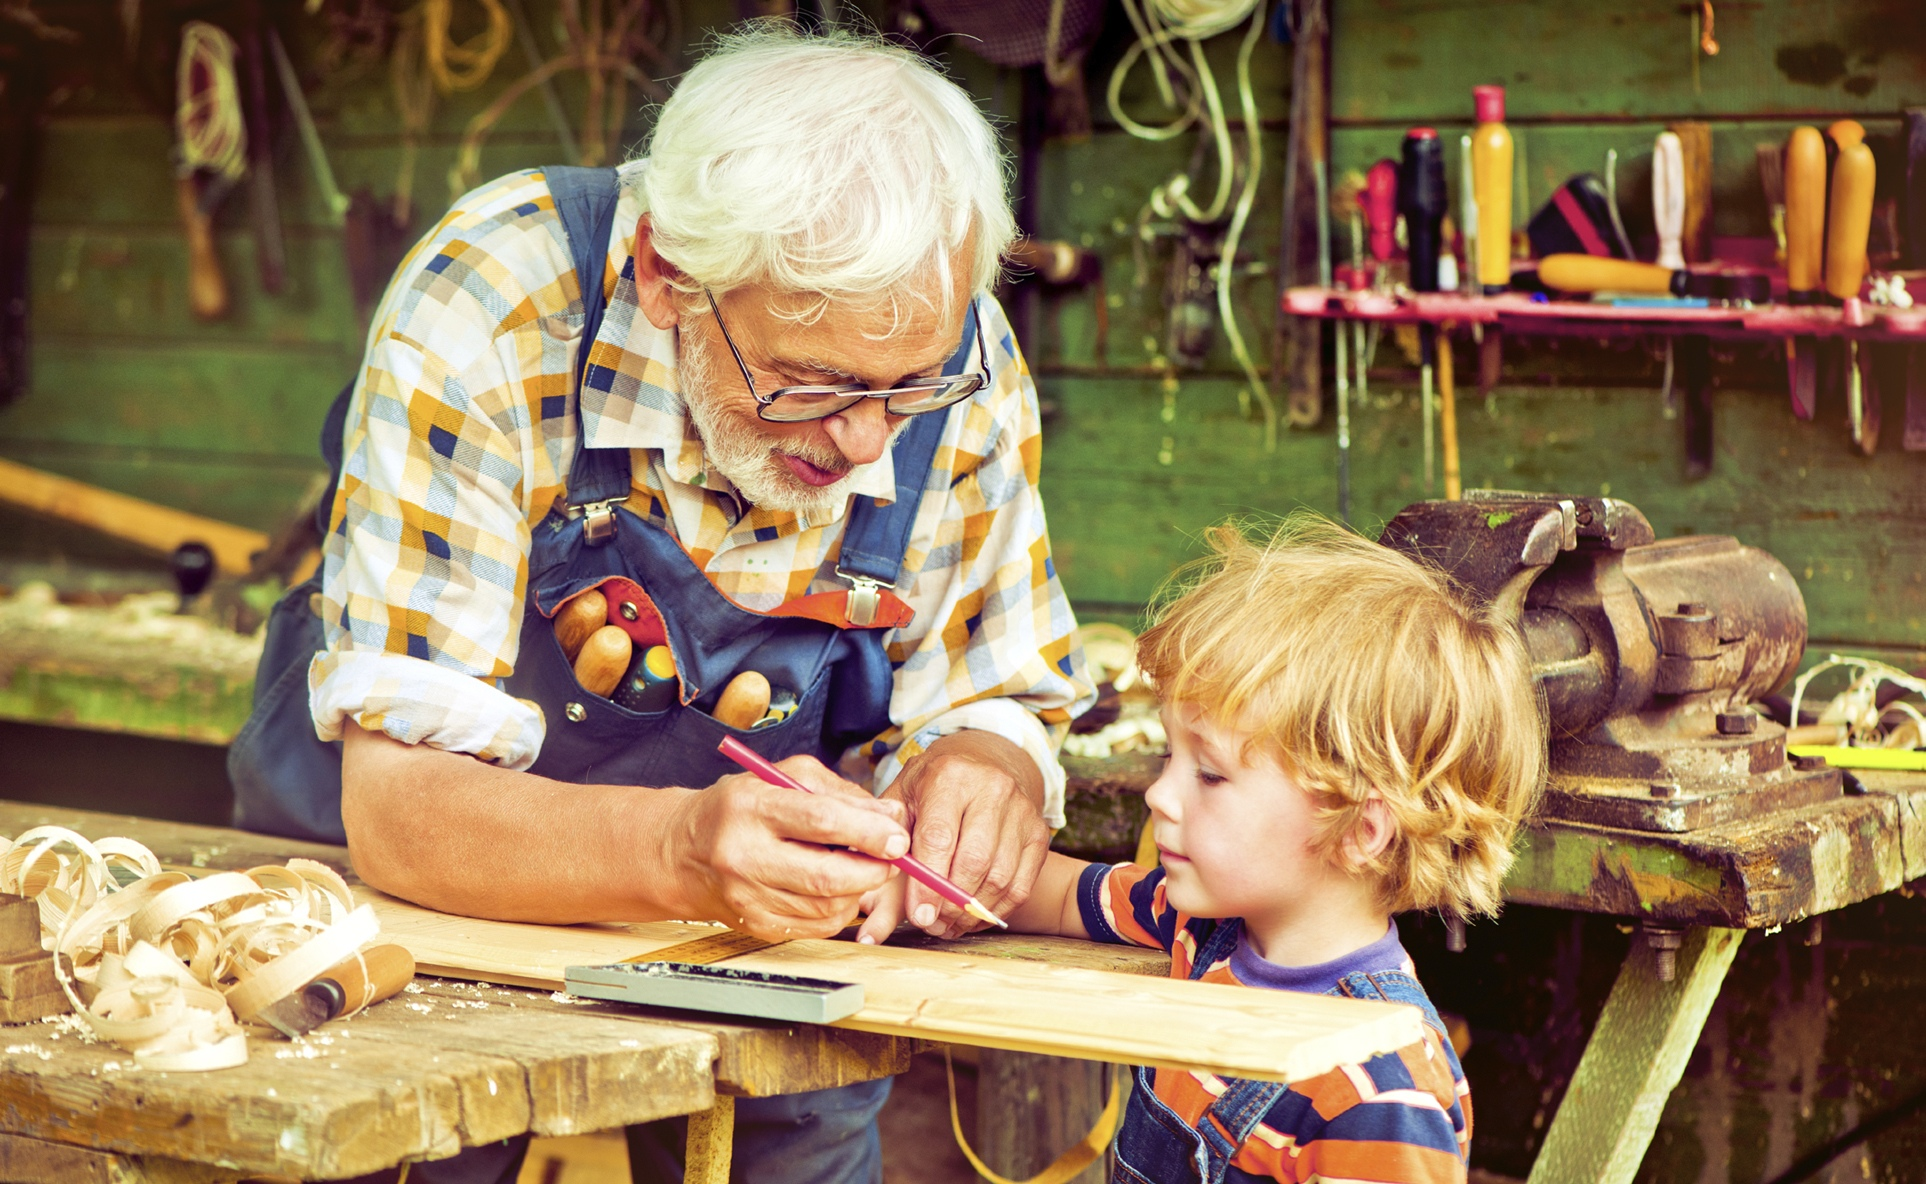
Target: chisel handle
x: 382, y: 970
x: 206, y: 286
x: 1805, y: 177
x: 1596, y: 273
x: 1668, y: 198
x: 1850, y: 221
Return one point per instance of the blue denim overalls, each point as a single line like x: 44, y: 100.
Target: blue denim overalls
x: 288, y: 782
x: 1154, y: 1143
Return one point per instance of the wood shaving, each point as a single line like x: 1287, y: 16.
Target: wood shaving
x: 169, y: 966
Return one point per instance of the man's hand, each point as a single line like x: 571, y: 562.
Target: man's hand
x: 759, y: 857
x: 975, y: 808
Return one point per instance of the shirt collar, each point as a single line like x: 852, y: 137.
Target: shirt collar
x: 633, y: 397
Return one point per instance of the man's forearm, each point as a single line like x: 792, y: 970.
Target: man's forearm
x: 453, y: 833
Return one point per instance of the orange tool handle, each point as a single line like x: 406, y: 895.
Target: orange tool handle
x: 1596, y: 273
x: 388, y: 969
x: 206, y: 286
x: 1805, y: 175
x: 1851, y: 221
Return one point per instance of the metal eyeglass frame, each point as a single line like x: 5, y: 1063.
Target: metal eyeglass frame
x: 954, y: 387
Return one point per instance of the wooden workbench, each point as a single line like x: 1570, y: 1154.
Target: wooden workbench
x: 434, y: 1069
x: 1703, y: 889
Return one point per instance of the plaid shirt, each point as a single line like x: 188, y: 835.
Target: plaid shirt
x: 461, y: 437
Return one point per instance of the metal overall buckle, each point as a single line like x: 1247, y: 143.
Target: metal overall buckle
x: 865, y: 597
x: 598, y: 520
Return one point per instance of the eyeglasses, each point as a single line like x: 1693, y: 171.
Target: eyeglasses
x: 798, y: 404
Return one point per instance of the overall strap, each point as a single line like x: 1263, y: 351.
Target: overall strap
x: 876, y: 536
x: 585, y: 201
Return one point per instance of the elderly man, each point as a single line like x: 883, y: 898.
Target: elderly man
x: 802, y: 436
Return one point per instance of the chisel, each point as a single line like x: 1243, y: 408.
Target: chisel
x: 1848, y: 222
x: 1805, y: 183
x: 377, y: 973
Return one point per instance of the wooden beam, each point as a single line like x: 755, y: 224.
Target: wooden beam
x: 1635, y: 1057
x: 963, y: 999
x: 143, y: 523
x: 712, y: 1134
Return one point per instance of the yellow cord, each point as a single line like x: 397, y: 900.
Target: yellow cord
x: 1066, y: 1166
x: 464, y: 66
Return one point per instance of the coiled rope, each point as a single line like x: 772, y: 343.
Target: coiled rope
x: 207, y: 111
x: 1159, y: 24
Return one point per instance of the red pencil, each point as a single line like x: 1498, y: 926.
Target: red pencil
x: 911, y: 866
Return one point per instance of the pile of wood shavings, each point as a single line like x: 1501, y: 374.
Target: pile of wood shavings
x: 169, y: 966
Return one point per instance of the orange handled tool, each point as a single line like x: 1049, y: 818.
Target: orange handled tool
x: 1597, y: 273
x: 377, y: 973
x: 1850, y: 220
x: 206, y: 286
x: 1805, y: 173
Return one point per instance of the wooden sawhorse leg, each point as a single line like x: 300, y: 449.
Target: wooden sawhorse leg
x: 1635, y: 1057
x: 712, y: 1135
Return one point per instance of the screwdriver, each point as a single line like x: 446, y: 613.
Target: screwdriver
x: 1805, y: 183
x: 1421, y: 199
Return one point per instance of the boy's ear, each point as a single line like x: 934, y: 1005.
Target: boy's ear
x: 1371, y: 834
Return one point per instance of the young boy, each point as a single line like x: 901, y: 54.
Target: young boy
x: 1349, y: 739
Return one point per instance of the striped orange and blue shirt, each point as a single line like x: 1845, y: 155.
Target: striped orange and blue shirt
x: 1400, y: 1118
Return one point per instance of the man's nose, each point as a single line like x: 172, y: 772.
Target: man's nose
x: 860, y: 433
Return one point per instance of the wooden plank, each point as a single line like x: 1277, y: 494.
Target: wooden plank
x: 964, y: 999
x: 711, y: 1140
x: 1847, y: 527
x: 125, y: 668
x: 581, y: 1071
x: 1416, y: 60
x: 259, y: 398
x: 1635, y: 1056
x: 25, y: 1160
x: 155, y: 527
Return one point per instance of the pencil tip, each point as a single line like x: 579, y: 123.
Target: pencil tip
x: 976, y: 909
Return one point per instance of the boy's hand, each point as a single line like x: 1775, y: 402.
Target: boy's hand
x: 975, y: 803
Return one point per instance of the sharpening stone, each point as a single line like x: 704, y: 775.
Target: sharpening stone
x: 723, y: 989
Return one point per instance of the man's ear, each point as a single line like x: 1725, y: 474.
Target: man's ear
x: 652, y: 275
x: 1371, y: 835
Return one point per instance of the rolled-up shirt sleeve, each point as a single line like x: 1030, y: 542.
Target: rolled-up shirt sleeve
x: 425, y: 560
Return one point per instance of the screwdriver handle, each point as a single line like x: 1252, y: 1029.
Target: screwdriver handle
x: 1850, y: 221
x: 1805, y: 178
x: 1381, y: 208
x: 1668, y: 198
x: 1422, y: 199
x: 1596, y: 273
x: 378, y: 973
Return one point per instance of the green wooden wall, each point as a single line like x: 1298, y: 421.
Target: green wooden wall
x: 130, y: 392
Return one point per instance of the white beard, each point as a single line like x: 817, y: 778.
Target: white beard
x: 742, y: 453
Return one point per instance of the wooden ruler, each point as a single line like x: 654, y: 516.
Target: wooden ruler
x: 710, y: 948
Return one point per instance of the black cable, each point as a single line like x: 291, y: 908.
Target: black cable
x: 1812, y: 1162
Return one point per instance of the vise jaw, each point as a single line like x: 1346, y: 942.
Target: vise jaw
x: 1647, y: 653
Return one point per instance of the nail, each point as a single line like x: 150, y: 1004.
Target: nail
x: 864, y: 939
x: 896, y: 847
x: 925, y: 914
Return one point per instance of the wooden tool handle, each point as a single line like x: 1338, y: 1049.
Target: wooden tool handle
x: 206, y: 286
x: 1668, y: 198
x: 1805, y: 208
x: 603, y: 660
x: 1595, y: 273
x: 582, y: 615
x: 744, y: 701
x: 1695, y: 228
x: 1850, y: 221
x: 388, y: 968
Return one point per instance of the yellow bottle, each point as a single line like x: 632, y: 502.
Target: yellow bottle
x: 1491, y: 182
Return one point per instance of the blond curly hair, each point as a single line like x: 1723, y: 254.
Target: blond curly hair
x: 1363, y: 672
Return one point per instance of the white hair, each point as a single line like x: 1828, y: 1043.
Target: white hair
x: 830, y: 165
